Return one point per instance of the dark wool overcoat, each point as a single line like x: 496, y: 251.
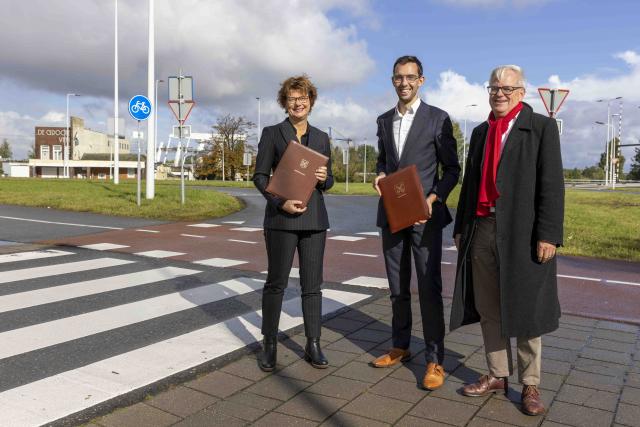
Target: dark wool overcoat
x: 530, y: 208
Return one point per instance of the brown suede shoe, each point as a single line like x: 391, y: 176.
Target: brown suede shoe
x: 393, y: 357
x: 485, y: 385
x: 531, y: 403
x: 434, y: 377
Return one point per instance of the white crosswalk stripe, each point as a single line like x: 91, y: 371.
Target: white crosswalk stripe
x: 134, y: 346
x: 32, y: 255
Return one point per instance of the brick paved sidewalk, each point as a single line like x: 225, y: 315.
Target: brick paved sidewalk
x: 591, y: 377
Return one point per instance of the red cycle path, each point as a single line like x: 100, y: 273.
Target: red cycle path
x: 590, y: 290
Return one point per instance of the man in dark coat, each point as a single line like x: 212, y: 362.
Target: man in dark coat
x: 508, y: 225
x: 414, y: 133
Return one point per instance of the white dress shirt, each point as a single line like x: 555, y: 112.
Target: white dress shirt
x: 402, y: 124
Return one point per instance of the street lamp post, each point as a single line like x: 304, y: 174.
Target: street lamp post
x: 364, y: 171
x: 155, y: 133
x: 464, y: 139
x: 116, y: 132
x: 609, y: 136
x: 259, y: 133
x: 606, y: 153
x: 613, y: 174
x: 65, y: 166
x: 151, y: 76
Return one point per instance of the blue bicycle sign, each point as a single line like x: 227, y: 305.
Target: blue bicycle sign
x: 140, y: 107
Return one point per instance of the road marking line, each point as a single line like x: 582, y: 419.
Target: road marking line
x: 250, y: 229
x: 35, y: 337
x: 104, y: 246
x: 370, y: 233
x: 147, y: 231
x: 60, y: 395
x: 347, y: 238
x: 159, y: 254
x: 193, y: 235
x: 374, y: 282
x: 220, y: 262
x: 62, y: 223
x: 295, y: 272
x: 31, y: 255
x: 204, y: 225
x: 618, y: 282
x: 54, y: 270
x: 90, y: 287
x: 591, y: 279
x: 357, y: 254
x: 234, y: 222
x: 242, y: 241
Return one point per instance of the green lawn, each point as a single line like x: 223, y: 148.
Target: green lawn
x: 106, y: 198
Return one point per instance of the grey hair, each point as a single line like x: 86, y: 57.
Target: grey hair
x: 498, y: 74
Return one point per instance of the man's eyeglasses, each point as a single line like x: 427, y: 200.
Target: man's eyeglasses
x: 411, y: 78
x: 507, y: 90
x: 300, y: 99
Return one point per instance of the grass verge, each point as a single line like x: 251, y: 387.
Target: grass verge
x: 109, y: 199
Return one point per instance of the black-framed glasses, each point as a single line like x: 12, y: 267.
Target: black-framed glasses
x: 411, y: 78
x: 294, y: 99
x: 507, y: 90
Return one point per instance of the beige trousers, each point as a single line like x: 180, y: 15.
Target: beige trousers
x: 486, y: 291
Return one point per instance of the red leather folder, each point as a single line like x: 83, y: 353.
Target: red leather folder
x: 294, y: 178
x: 403, y: 198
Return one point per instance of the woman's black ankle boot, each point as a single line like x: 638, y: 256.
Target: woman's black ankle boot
x: 313, y: 354
x: 267, y: 357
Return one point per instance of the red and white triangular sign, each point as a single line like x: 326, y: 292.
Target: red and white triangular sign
x: 181, y: 109
x: 553, y: 99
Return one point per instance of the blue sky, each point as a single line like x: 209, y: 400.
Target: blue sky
x: 239, y: 50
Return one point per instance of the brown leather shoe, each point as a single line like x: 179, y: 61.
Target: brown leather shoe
x: 485, y: 385
x: 393, y: 357
x: 531, y: 403
x: 434, y: 377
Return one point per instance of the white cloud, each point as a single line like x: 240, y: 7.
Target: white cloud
x: 54, y: 117
x: 630, y: 57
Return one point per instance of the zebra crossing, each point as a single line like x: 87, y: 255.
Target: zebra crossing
x: 81, y: 327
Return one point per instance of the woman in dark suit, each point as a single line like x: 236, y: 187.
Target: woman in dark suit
x: 288, y: 225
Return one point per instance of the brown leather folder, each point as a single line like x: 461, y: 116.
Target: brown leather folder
x: 403, y: 198
x: 294, y: 178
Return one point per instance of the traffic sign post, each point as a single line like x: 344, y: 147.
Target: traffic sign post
x: 246, y: 161
x: 140, y: 110
x: 181, y: 103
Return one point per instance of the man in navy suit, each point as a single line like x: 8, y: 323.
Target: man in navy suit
x: 414, y: 133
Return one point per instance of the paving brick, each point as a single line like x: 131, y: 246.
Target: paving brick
x: 559, y: 354
x: 567, y: 413
x: 588, y: 397
x: 341, y: 419
x: 599, y: 382
x: 630, y: 395
x: 341, y: 324
x: 577, y: 320
x: 275, y: 419
x: 351, y: 346
x: 459, y: 350
x: 246, y: 367
x: 564, y: 343
x: 398, y: 389
x: 219, y: 384
x: 338, y: 358
x: 372, y: 354
x: 182, y: 401
x: 139, y: 415
x: 473, y: 329
x: 617, y: 326
x: 628, y: 415
x: 210, y: 418
x: 483, y: 422
x: 280, y: 388
x: 330, y: 335
x: 300, y: 341
x: 377, y: 407
x: 362, y: 372
x: 366, y: 334
x: 600, y: 367
x: 618, y: 346
x: 339, y: 387
x: 570, y: 333
x: 302, y: 370
x: 551, y: 381
x: 507, y: 411
x: 477, y: 361
x: 376, y: 309
x: 614, y: 335
x: 410, y: 372
x: 606, y: 356
x: 411, y: 421
x: 251, y: 400
x: 445, y: 411
x: 467, y: 339
x: 311, y: 406
x: 466, y: 375
x: 556, y: 367
x: 357, y: 315
x: 384, y: 327
x: 236, y: 410
x: 633, y: 380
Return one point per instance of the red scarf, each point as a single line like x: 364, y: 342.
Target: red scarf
x: 492, y: 149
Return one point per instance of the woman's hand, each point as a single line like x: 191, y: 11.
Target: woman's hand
x: 293, y: 207
x: 321, y: 173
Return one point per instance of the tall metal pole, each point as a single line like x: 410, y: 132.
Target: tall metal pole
x: 364, y: 171
x: 151, y: 77
x: 65, y: 163
x: 155, y: 130
x: 116, y: 137
x: 259, y: 130
x: 139, y: 177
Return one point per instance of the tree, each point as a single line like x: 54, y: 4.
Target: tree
x: 634, y: 173
x: 229, y: 134
x: 5, y: 149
